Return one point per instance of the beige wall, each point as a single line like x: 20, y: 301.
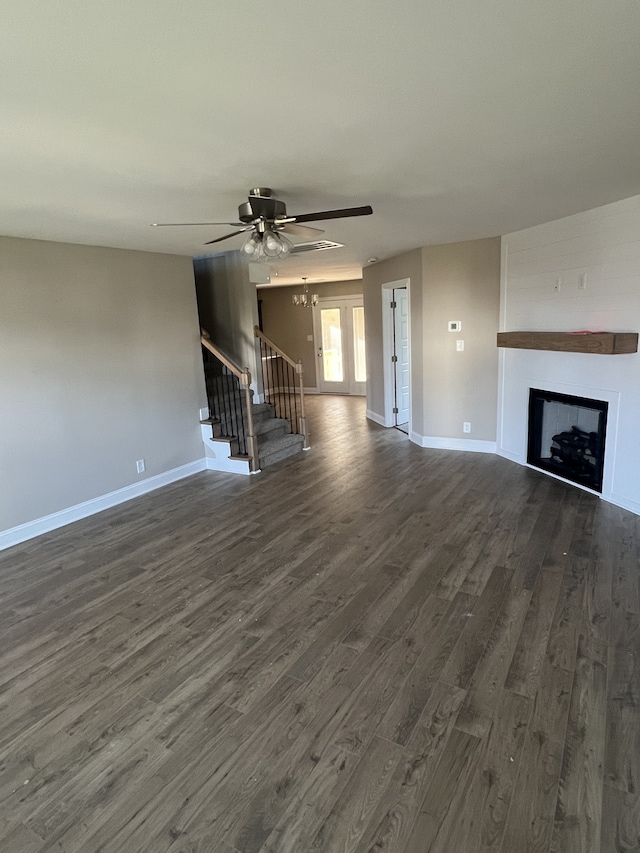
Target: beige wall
x: 289, y: 325
x: 228, y: 307
x: 458, y: 281
x: 461, y: 281
x: 100, y: 365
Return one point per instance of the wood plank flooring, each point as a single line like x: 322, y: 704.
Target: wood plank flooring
x: 371, y: 648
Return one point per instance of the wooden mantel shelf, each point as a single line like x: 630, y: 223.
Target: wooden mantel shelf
x: 600, y: 343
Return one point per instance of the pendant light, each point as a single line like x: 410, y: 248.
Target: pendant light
x: 305, y: 299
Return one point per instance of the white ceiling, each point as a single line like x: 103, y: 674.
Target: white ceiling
x: 455, y: 120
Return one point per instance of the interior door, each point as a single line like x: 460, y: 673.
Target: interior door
x: 401, y: 352
x: 338, y: 326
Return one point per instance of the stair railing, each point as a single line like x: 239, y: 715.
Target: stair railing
x: 283, y: 383
x: 229, y: 398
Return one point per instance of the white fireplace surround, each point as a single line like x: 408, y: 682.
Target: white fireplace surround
x: 581, y: 272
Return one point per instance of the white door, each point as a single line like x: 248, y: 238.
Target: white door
x: 338, y: 328
x: 401, y: 353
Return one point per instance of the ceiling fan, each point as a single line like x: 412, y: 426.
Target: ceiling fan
x: 267, y: 220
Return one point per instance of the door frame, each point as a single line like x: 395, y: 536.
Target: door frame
x: 387, y: 349
x: 353, y: 300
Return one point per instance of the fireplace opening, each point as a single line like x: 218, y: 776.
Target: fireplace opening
x: 567, y: 436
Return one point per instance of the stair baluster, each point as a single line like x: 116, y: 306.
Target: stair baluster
x: 283, y: 383
x: 229, y: 398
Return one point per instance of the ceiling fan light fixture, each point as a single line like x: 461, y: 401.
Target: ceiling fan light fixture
x: 273, y: 245
x: 253, y: 246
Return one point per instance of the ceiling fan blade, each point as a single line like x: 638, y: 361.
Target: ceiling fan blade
x: 226, y: 236
x: 302, y: 231
x: 174, y: 224
x: 366, y: 210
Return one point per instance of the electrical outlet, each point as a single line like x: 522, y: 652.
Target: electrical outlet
x: 558, y: 285
x: 140, y: 466
x: 466, y: 427
x: 310, y: 338
x: 460, y: 346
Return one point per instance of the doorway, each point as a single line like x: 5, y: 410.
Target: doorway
x: 338, y: 331
x: 396, y: 335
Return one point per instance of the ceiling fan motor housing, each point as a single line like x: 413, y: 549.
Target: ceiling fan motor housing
x: 261, y: 207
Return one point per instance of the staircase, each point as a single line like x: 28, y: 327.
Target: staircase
x: 245, y: 436
x: 275, y: 439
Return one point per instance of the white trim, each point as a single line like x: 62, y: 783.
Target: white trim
x: 23, y: 532
x: 218, y: 454
x: 311, y: 391
x: 437, y: 442
x: 625, y: 503
x: 376, y: 418
x: 512, y: 457
x: 344, y: 304
x: 227, y: 465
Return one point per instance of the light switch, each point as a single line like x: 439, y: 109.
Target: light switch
x: 460, y: 346
x: 310, y: 338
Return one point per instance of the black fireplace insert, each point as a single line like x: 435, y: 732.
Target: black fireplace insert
x: 567, y: 436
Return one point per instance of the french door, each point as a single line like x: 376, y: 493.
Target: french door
x: 338, y: 330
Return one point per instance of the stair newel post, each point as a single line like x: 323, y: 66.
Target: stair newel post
x: 302, y: 420
x: 252, y: 443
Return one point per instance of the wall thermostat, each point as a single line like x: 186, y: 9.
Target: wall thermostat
x: 455, y: 326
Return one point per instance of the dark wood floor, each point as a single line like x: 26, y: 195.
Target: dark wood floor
x: 372, y: 647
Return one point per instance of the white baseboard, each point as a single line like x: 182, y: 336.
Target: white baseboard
x: 23, y: 532
x: 218, y: 456
x: 436, y: 442
x: 311, y: 391
x: 228, y: 465
x: 624, y: 503
x: 512, y: 457
x: 376, y: 418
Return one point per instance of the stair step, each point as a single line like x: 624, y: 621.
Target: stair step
x: 270, y: 428
x: 262, y: 412
x: 277, y: 449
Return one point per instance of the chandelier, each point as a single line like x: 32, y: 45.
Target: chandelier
x: 305, y: 299
x: 264, y: 242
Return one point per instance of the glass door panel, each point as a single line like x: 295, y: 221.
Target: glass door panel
x: 359, y: 357
x: 338, y: 332
x: 332, y: 357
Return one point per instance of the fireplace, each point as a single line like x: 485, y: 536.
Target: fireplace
x: 567, y: 436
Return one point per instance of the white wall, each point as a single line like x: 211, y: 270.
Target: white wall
x: 100, y: 366
x: 604, y: 246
